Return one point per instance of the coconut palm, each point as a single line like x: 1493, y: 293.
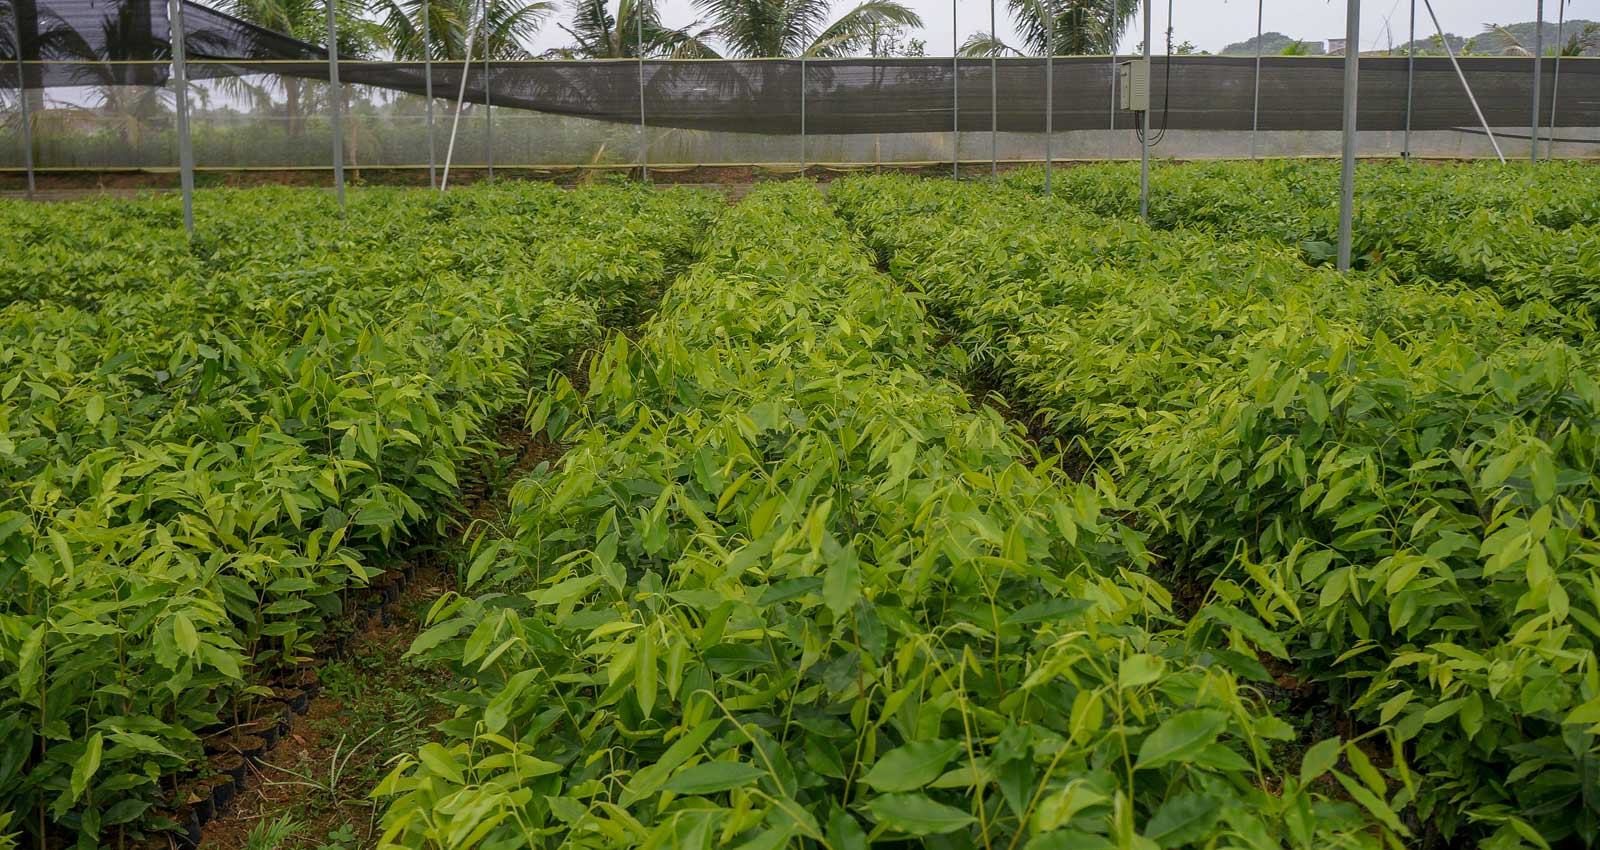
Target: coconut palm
x: 510, y: 25
x: 1080, y: 27
x: 800, y: 27
x: 306, y: 20
x: 600, y: 32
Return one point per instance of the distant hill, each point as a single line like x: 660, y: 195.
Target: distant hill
x: 1514, y: 40
x: 1272, y: 44
x: 1517, y: 39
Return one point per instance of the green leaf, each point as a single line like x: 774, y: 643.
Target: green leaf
x: 1183, y: 819
x: 184, y: 634
x: 84, y: 768
x: 841, y: 583
x: 915, y: 814
x: 441, y: 762
x: 1319, y: 759
x: 1139, y: 670
x: 713, y: 776
x: 1179, y: 737
x: 910, y: 766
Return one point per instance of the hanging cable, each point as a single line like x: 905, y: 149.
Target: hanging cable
x: 1166, y: 94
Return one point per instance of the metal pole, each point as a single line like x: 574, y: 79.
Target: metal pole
x: 1555, y: 82
x: 1347, y: 170
x: 1255, y: 109
x: 1144, y: 128
x: 336, y: 98
x: 644, y: 145
x: 802, y: 115
x: 180, y: 78
x: 1049, y: 93
x: 22, y: 94
x: 1111, y: 48
x: 455, y: 120
x: 1411, y: 70
x: 427, y: 82
x: 955, y: 94
x: 1450, y: 51
x: 994, y: 102
x: 1538, y: 79
x: 488, y: 106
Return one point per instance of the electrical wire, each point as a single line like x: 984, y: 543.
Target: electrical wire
x: 1166, y: 94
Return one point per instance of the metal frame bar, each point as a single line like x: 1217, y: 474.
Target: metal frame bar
x: 955, y: 92
x: 336, y: 101
x: 22, y: 97
x: 180, y: 78
x: 1538, y: 79
x: 1555, y: 82
x: 1411, y: 70
x: 488, y: 106
x: 1144, y: 126
x: 1255, y: 108
x: 1049, y: 94
x: 802, y: 114
x: 1450, y: 51
x: 638, y: 49
x: 427, y: 82
x: 1347, y: 166
x: 994, y: 102
x: 461, y: 97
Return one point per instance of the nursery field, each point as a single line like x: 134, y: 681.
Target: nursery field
x: 907, y: 513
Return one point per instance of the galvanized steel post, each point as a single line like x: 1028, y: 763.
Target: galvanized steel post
x: 1144, y: 127
x: 1555, y: 75
x: 1411, y: 70
x: 994, y: 102
x: 644, y: 147
x: 336, y: 100
x: 22, y: 95
x: 802, y: 114
x: 180, y: 78
x: 1255, y: 109
x: 1347, y: 168
x: 427, y: 83
x: 1460, y: 75
x: 1538, y: 79
x: 1049, y: 93
x: 955, y: 94
x: 488, y: 105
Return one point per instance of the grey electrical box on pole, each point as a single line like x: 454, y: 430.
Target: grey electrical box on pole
x: 1133, y: 84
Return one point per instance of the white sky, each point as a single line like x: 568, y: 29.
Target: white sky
x: 1210, y: 24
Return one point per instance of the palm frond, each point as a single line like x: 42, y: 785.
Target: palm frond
x: 858, y: 25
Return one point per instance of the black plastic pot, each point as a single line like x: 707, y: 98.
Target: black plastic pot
x: 222, y: 793
x: 231, y: 764
x: 188, y: 837
x: 295, y: 698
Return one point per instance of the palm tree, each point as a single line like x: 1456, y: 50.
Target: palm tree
x: 306, y: 20
x: 1080, y: 27
x: 799, y: 27
x: 599, y: 32
x: 452, y: 23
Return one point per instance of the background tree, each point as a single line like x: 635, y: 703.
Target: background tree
x: 358, y: 37
x: 511, y: 24
x: 799, y: 27
x: 1081, y: 27
x: 600, y: 32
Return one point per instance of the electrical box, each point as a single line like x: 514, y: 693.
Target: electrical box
x: 1133, y: 82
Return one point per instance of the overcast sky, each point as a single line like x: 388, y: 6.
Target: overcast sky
x: 1210, y: 24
